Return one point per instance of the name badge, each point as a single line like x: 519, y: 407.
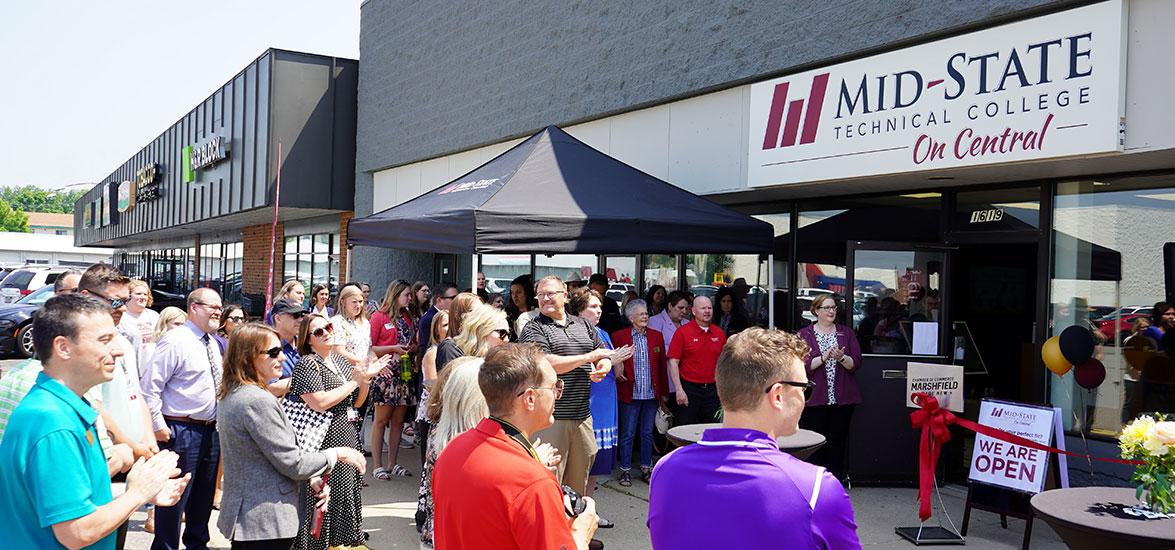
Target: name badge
x: 389, y: 326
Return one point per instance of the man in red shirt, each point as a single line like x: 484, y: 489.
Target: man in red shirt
x: 489, y: 488
x: 693, y: 356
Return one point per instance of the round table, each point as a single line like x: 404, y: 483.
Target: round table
x: 800, y: 444
x: 1092, y: 517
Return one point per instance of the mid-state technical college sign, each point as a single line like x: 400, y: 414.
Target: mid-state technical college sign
x: 1043, y: 88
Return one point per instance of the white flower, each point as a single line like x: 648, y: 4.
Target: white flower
x: 1155, y: 447
x: 1164, y: 432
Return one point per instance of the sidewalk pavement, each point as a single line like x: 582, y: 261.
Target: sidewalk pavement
x: 389, y: 507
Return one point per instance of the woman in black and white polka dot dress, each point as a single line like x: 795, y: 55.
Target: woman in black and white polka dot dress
x: 326, y: 381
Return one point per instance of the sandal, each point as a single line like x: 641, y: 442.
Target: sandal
x: 625, y: 478
x: 381, y: 474
x: 400, y: 471
x: 646, y: 473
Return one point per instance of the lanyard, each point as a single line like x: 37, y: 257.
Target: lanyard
x: 516, y: 435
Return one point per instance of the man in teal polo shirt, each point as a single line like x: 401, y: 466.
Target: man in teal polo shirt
x: 54, y: 486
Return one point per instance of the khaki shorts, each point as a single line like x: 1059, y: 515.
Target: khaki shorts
x: 577, y: 445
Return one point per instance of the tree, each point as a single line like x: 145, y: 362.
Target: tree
x: 12, y: 220
x: 31, y: 198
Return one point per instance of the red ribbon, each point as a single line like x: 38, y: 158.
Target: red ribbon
x: 935, y: 424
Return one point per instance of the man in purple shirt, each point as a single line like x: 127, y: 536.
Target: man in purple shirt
x: 735, y: 488
x: 180, y: 386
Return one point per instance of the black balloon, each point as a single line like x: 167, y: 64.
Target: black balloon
x: 1076, y: 345
x: 1090, y: 374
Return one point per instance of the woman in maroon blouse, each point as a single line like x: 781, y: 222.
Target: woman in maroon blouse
x: 832, y: 366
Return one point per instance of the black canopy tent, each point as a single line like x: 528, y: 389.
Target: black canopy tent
x: 554, y: 194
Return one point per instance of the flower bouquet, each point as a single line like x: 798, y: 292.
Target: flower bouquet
x: 1152, y: 441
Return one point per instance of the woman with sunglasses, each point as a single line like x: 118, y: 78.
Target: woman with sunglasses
x: 602, y: 400
x: 230, y: 320
x: 326, y: 382
x: 832, y: 363
x: 262, y: 461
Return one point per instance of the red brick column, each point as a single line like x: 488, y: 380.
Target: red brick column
x: 344, y: 275
x: 255, y: 242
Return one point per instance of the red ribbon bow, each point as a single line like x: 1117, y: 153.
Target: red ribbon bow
x: 935, y: 424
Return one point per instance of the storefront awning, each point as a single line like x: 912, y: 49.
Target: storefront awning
x: 553, y: 194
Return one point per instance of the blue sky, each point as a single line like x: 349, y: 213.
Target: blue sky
x: 86, y: 84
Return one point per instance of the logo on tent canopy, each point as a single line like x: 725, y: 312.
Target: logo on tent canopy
x: 468, y: 186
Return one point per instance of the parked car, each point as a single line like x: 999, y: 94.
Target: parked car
x: 1119, y: 327
x: 161, y: 299
x: 24, y: 281
x: 16, y: 322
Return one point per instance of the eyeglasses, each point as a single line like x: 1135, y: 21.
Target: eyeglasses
x: 827, y: 308
x: 324, y: 330
x: 448, y: 297
x: 502, y: 333
x: 550, y: 294
x: 273, y: 352
x: 209, y: 306
x: 557, y: 388
x: 115, y: 303
x: 808, y: 387
x: 236, y: 318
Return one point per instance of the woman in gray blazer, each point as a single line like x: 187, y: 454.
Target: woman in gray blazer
x: 262, y: 498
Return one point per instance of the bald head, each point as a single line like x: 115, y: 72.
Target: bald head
x: 703, y: 310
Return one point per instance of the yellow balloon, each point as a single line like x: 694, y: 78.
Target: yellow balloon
x: 1053, y: 358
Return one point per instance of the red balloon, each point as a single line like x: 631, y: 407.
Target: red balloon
x: 1090, y: 374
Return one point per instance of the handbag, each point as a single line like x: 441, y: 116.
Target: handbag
x: 663, y: 421
x: 310, y: 426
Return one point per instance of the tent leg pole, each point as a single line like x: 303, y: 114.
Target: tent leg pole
x: 473, y: 274
x: 771, y: 290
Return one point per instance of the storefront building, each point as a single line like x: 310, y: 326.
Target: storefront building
x: 1003, y: 170
x: 200, y: 207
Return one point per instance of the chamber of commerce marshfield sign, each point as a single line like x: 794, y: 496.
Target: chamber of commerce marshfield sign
x: 1047, y: 87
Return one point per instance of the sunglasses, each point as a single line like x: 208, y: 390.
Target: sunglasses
x: 273, y: 353
x: 115, y: 303
x: 236, y: 318
x: 557, y: 388
x: 808, y: 387
x: 323, y: 330
x: 502, y: 333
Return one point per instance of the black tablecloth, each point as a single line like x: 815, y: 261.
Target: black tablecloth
x: 800, y: 444
x: 1092, y: 517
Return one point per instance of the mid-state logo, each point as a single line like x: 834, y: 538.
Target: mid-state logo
x: 771, y: 138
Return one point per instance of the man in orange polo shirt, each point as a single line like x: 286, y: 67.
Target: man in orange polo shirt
x: 489, y: 488
x: 693, y: 356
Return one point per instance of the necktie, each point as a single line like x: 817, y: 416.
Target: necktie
x: 213, y: 364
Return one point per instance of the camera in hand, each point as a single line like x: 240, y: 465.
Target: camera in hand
x: 574, y: 502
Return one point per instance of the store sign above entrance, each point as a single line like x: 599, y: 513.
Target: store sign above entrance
x: 1043, y: 88
x: 202, y: 156
x: 147, y: 185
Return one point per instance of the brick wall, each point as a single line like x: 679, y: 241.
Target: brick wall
x: 255, y: 242
x: 344, y: 276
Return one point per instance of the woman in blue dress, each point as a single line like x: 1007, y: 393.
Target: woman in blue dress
x: 587, y: 303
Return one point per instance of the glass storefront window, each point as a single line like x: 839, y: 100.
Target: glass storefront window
x: 500, y: 269
x: 895, y: 307
x: 1109, y: 272
x: 569, y: 267
x: 660, y: 269
x: 309, y: 259
x: 622, y: 277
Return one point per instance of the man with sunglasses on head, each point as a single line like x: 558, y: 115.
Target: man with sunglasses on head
x: 735, y: 488
x: 180, y: 386
x: 286, y: 316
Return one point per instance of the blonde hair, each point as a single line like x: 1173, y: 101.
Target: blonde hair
x: 286, y: 288
x: 169, y: 315
x: 434, y: 331
x: 395, y: 289
x: 461, y: 403
x: 244, y: 345
x: 462, y: 304
x: 139, y: 283
x: 476, y: 327
x: 345, y: 293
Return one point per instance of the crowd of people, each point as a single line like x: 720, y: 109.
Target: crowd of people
x: 516, y: 407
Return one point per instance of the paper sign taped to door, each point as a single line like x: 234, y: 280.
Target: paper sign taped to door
x: 943, y: 382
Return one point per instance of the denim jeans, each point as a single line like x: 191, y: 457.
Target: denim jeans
x: 637, y: 415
